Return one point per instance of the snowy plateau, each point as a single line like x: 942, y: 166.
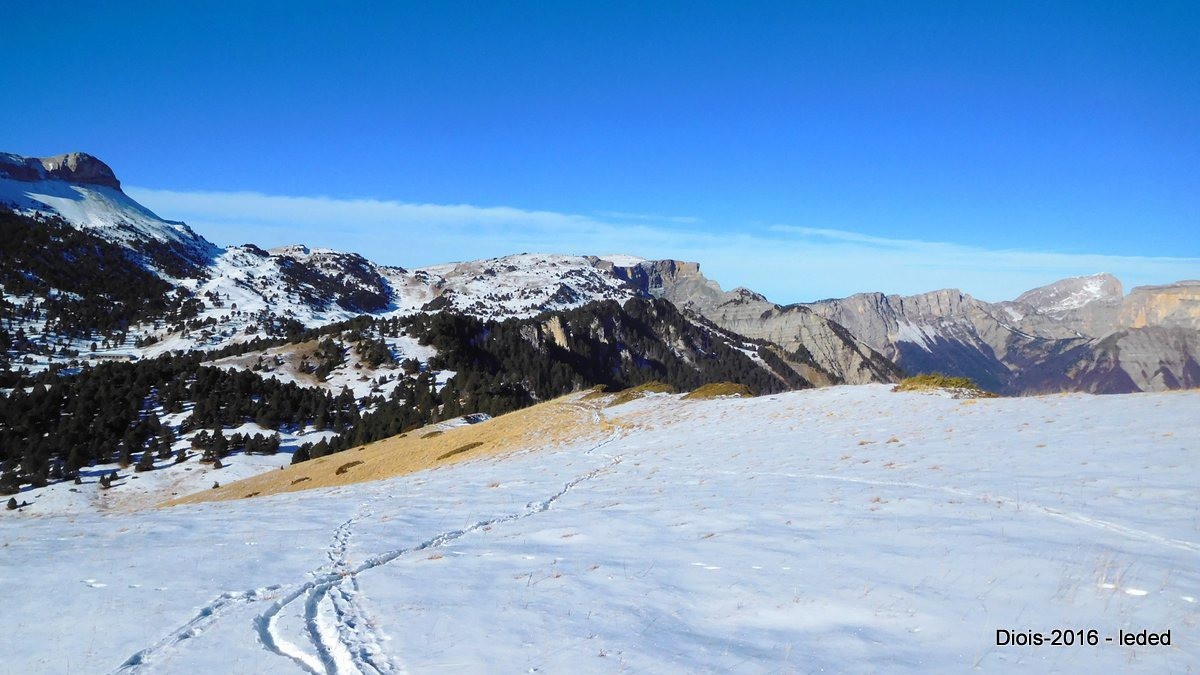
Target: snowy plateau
x: 843, y: 529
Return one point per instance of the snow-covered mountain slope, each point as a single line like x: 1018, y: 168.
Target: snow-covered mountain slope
x: 846, y: 529
x: 91, y: 199
x: 244, y: 292
x: 523, y: 285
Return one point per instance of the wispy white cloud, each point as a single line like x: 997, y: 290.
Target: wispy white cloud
x: 786, y: 262
x: 650, y: 217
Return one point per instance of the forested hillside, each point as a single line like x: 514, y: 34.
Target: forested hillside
x: 177, y: 408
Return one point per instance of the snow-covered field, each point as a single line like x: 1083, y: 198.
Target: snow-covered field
x: 841, y: 529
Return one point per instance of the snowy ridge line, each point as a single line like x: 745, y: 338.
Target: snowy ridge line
x: 208, y: 615
x: 1068, y: 516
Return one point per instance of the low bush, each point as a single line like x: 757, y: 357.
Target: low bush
x: 719, y: 389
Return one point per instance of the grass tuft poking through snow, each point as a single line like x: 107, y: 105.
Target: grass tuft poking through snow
x: 634, y: 393
x: 719, y: 389
x: 961, y: 387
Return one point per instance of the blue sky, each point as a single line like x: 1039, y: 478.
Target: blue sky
x: 803, y: 149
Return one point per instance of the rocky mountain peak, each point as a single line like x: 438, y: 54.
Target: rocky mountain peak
x: 72, y: 167
x: 1073, y: 293
x: 80, y: 167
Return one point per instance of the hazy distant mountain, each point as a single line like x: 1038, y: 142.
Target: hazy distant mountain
x: 1075, y: 334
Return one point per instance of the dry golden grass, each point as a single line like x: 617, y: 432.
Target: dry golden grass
x: 716, y: 389
x: 595, y: 393
x: 652, y: 387
x: 542, y: 425
x: 458, y: 451
x: 962, y: 387
x: 291, y: 354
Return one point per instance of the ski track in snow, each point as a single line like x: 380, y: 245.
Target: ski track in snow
x: 206, y: 617
x: 343, y: 636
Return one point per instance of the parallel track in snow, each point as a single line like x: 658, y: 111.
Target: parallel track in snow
x: 342, y: 636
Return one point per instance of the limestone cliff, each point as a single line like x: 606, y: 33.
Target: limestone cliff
x: 1075, y: 334
x: 819, y: 349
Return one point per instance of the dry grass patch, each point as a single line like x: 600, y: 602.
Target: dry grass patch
x: 291, y: 354
x: 543, y: 425
x: 717, y: 389
x: 652, y: 387
x: 347, y: 466
x: 598, y: 391
x: 961, y: 387
x: 459, y: 450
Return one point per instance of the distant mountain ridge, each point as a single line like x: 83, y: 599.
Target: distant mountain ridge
x: 244, y: 291
x: 1075, y: 334
x: 1080, y: 333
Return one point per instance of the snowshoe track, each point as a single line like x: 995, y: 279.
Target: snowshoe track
x: 338, y: 628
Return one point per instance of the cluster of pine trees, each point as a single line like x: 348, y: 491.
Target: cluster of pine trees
x: 113, y: 412
x: 83, y: 282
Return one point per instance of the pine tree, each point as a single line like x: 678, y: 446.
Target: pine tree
x: 145, y: 462
x: 9, y: 483
x: 220, y: 444
x: 124, y: 455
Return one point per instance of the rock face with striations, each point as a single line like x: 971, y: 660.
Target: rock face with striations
x: 1076, y: 334
x: 1171, y: 305
x: 817, y: 348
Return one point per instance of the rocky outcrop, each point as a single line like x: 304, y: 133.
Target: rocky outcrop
x: 1085, y: 305
x: 1172, y: 305
x: 1074, y: 293
x: 72, y: 167
x: 80, y: 167
x: 817, y: 348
